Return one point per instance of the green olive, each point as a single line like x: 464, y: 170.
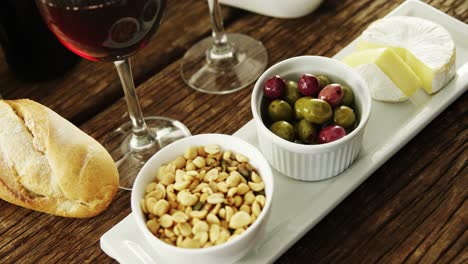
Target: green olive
x: 306, y: 131
x: 344, y: 116
x: 317, y: 111
x: 299, y: 106
x: 280, y: 110
x: 323, y: 80
x: 348, y: 97
x: 292, y: 93
x: 283, y: 130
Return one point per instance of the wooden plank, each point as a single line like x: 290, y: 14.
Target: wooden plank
x: 405, y: 195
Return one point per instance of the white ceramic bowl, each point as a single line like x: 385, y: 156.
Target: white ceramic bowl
x: 312, y: 162
x: 224, y: 253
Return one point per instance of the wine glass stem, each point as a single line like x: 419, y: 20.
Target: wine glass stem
x: 142, y: 138
x: 221, y: 47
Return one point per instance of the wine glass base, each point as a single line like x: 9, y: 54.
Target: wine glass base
x: 130, y: 160
x: 205, y: 76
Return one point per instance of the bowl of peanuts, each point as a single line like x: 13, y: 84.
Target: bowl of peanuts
x: 203, y: 199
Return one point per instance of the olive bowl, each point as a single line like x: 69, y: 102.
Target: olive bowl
x: 319, y: 161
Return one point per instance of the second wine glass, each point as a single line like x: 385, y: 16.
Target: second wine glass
x: 225, y: 62
x: 113, y: 30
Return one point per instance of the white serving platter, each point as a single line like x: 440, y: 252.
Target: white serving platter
x: 298, y: 206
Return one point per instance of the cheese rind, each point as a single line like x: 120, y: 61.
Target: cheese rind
x: 425, y: 46
x: 380, y: 86
x: 383, y: 69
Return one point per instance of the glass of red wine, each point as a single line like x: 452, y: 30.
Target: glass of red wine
x: 225, y: 62
x: 113, y: 30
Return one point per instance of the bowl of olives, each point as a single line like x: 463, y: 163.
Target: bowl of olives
x: 310, y: 114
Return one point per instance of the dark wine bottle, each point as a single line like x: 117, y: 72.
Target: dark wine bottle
x: 32, y: 52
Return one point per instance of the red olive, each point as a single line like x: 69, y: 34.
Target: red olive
x: 308, y: 85
x: 330, y: 134
x: 333, y: 94
x: 274, y: 87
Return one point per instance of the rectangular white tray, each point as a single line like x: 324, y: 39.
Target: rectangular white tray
x: 297, y: 205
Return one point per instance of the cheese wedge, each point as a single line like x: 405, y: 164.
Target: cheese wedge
x: 381, y: 87
x: 388, y: 77
x: 425, y: 46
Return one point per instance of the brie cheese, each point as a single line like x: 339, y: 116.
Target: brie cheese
x: 425, y: 46
x: 388, y: 77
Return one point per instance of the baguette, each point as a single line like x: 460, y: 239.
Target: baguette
x: 49, y: 165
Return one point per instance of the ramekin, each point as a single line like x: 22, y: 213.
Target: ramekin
x: 227, y: 252
x: 312, y: 162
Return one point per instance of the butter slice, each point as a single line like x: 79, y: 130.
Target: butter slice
x: 424, y: 45
x: 389, y: 78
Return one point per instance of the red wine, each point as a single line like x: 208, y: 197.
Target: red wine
x: 102, y: 30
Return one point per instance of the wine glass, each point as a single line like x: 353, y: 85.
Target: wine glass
x: 225, y: 62
x: 113, y: 30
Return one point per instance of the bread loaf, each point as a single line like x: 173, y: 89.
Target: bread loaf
x: 49, y: 165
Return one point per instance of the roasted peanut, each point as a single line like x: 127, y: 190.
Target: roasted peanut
x: 227, y: 155
x: 165, y: 221
x: 179, y: 162
x: 212, y: 219
x: 153, y: 226
x: 150, y: 187
x: 239, y: 219
x: 256, y: 208
x: 261, y: 200
x: 255, y: 178
x: 249, y: 198
x: 241, y: 158
x: 161, y: 207
x: 222, y: 187
x: 191, y: 153
x: 199, y: 162
x: 179, y: 217
x: 215, y: 198
x: 211, y: 175
x: 245, y: 208
x: 232, y: 192
x: 256, y: 186
x: 199, y: 227
x: 243, y: 188
x: 201, y: 237
x: 212, y: 149
x: 214, y: 233
x: 203, y: 198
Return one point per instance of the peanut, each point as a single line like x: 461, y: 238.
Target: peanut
x: 161, y: 207
x: 199, y: 162
x: 203, y: 198
x: 212, y: 149
x: 153, y: 226
x: 239, y: 219
x: 256, y: 186
x: 179, y: 162
x: 191, y: 153
x: 212, y: 219
x: 215, y: 198
x: 165, y: 221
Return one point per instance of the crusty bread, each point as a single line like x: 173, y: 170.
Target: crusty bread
x: 49, y: 165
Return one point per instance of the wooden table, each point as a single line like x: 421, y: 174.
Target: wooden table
x: 413, y: 209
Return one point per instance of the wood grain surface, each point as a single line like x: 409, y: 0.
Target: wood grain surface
x: 413, y: 209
